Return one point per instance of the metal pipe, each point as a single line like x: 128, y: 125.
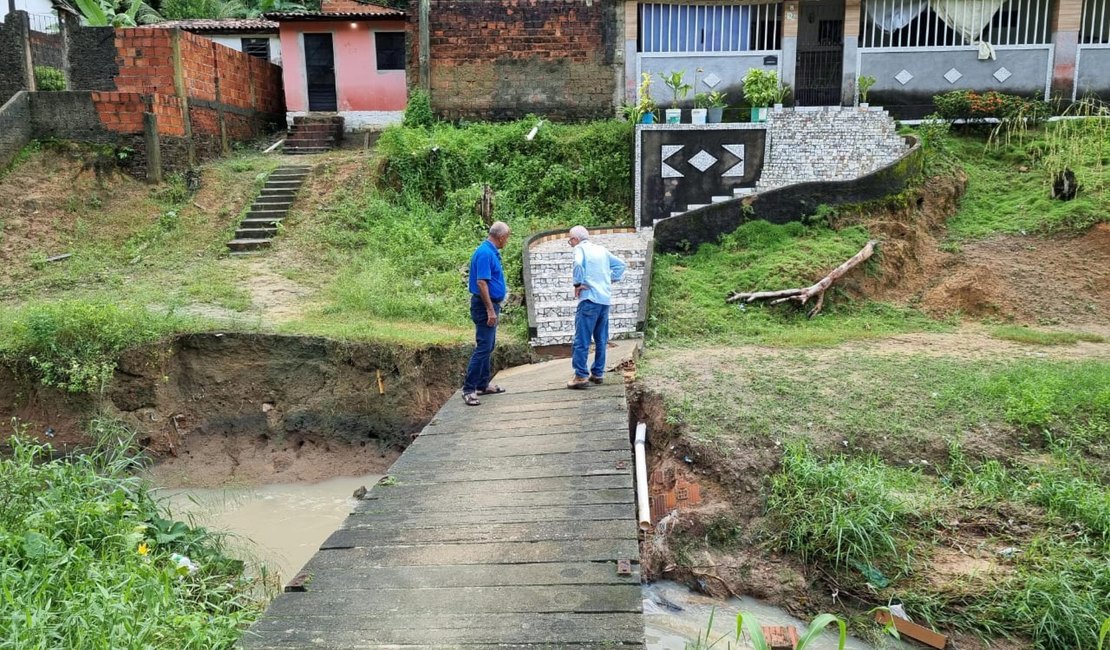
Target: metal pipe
x: 644, y: 509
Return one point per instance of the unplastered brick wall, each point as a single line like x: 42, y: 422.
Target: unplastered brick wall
x: 828, y: 145
x: 503, y: 59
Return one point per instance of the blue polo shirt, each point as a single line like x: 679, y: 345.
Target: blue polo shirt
x: 485, y: 264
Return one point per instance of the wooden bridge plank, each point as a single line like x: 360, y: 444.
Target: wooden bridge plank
x: 599, y: 550
x: 374, y: 513
x: 472, y: 575
x: 352, y: 536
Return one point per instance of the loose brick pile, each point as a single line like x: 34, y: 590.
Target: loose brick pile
x: 503, y: 59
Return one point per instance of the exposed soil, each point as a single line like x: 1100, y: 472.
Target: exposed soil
x: 275, y: 297
x: 1028, y: 279
x: 233, y: 460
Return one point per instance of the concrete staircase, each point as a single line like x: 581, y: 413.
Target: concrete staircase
x: 313, y: 134
x: 737, y: 193
x: 256, y: 231
x: 551, y: 291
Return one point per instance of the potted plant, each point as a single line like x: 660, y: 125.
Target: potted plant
x: 760, y: 87
x: 716, y: 104
x: 643, y: 111
x: 864, y: 85
x: 781, y: 91
x: 679, y: 88
x: 701, y: 108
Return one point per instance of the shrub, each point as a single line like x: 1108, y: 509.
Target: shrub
x: 74, y: 345
x: 418, y: 112
x: 49, y: 79
x: 970, y: 105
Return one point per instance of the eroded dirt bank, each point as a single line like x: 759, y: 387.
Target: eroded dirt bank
x: 256, y: 407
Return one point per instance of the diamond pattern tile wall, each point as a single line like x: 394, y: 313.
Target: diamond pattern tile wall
x: 1002, y: 74
x: 903, y: 77
x: 953, y: 75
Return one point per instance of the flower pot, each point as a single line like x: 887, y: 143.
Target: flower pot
x: 863, y: 106
x: 674, y: 116
x: 778, y: 108
x: 715, y: 114
x: 759, y: 113
x: 698, y: 115
x: 648, y: 118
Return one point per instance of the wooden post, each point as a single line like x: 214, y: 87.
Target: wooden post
x: 182, y: 93
x: 789, y: 43
x: 425, y: 47
x: 1066, y: 17
x: 852, y: 16
x: 153, y: 148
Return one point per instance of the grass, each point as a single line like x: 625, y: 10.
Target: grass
x: 688, y: 305
x: 1009, y: 185
x: 1030, y: 336
x: 880, y: 453
x: 85, y: 559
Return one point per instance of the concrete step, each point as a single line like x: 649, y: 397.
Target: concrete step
x: 278, y: 191
x: 255, y: 233
x: 248, y: 244
x: 306, y: 150
x: 259, y: 223
x: 743, y: 191
x: 696, y: 206
x: 272, y: 203
x: 722, y: 199
x: 284, y: 182
x: 258, y: 214
x: 287, y: 176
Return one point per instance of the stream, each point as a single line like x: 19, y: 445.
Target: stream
x: 281, y: 526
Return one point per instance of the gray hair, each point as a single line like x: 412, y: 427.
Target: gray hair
x: 499, y: 229
x: 580, y: 233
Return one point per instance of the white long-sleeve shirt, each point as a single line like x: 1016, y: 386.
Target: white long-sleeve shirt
x: 596, y: 268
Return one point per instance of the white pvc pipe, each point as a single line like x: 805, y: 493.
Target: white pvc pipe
x: 644, y: 509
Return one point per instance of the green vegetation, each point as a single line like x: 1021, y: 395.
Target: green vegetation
x: 1010, y: 181
x: 88, y: 560
x: 74, y: 345
x: 747, y: 623
x: 1032, y: 336
x: 49, y: 79
x: 688, y: 305
x: 889, y: 460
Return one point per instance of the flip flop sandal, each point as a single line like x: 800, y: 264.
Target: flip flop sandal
x: 492, y: 389
x: 471, y: 399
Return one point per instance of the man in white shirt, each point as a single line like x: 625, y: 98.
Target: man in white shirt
x: 595, y: 269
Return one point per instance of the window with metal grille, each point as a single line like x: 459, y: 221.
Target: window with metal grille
x: 257, y: 47
x: 709, y: 28
x: 390, y: 47
x: 954, y: 23
x: 1095, y: 27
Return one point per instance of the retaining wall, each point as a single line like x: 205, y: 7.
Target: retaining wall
x: 15, y: 126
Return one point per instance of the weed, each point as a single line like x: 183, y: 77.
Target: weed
x: 82, y: 530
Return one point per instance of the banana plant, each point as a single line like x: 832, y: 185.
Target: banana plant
x: 104, y: 13
x: 759, y: 642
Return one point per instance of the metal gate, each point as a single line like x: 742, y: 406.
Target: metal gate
x: 818, y: 75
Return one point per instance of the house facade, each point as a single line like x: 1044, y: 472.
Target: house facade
x: 578, y: 59
x: 347, y: 60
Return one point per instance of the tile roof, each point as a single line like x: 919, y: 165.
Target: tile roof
x: 227, y: 25
x: 341, y: 9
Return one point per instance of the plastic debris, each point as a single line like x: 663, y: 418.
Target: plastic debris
x: 183, y: 565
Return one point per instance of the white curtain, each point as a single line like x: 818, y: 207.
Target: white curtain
x: 966, y: 17
x: 892, y: 16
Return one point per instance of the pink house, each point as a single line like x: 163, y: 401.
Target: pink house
x: 347, y: 59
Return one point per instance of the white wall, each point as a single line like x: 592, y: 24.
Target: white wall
x: 235, y: 42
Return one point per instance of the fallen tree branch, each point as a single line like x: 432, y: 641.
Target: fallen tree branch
x: 804, y: 294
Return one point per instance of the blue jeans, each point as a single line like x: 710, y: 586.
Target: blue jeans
x: 479, y: 371
x: 591, y: 321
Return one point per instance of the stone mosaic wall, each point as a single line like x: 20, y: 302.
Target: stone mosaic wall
x: 15, y: 126
x: 551, y: 300
x: 828, y: 145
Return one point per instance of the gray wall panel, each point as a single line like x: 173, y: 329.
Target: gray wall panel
x: 1093, y: 76
x: 1028, y: 70
x: 730, y: 68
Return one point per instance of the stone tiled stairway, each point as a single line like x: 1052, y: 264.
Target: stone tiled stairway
x: 551, y: 293
x: 256, y: 231
x: 313, y: 134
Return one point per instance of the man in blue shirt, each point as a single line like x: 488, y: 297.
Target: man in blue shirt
x: 487, y: 290
x: 595, y: 269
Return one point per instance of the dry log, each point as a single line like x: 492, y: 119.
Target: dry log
x: 804, y: 294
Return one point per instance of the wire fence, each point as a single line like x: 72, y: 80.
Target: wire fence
x: 45, y: 23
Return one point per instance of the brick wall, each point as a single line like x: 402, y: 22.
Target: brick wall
x: 48, y: 49
x: 502, y: 59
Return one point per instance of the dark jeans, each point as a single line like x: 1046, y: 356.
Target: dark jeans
x: 479, y: 371
x: 591, y: 321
